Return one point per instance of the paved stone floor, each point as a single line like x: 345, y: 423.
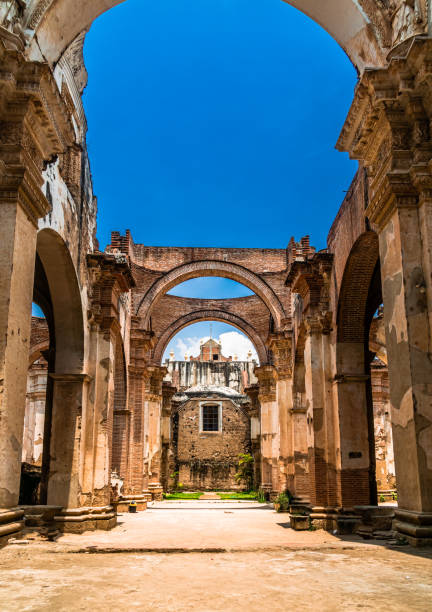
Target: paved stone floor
x: 270, y: 567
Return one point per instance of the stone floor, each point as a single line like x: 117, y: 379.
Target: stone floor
x: 270, y: 567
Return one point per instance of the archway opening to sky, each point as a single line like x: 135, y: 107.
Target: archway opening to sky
x: 211, y: 288
x: 187, y: 343
x: 228, y: 136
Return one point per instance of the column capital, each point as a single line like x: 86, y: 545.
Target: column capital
x: 388, y: 130
x: 36, y: 125
x: 153, y: 379
x: 111, y: 278
x: 267, y: 377
x: 280, y: 345
x: 309, y: 276
x: 319, y: 323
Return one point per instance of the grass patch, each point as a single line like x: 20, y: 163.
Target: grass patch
x: 182, y: 495
x: 239, y: 495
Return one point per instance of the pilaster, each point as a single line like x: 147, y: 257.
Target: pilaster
x: 34, y: 125
x: 388, y: 130
x: 267, y: 378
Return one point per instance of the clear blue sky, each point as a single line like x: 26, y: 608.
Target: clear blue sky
x: 214, y: 123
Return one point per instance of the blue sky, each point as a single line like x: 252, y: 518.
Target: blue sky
x: 213, y: 123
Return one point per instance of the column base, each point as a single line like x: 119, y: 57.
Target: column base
x: 156, y: 491
x: 374, y: 518
x: 343, y: 522
x: 78, y: 520
x: 415, y: 527
x: 122, y: 505
x: 40, y: 519
x: 11, y: 524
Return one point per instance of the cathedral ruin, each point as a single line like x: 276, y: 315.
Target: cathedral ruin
x: 338, y: 409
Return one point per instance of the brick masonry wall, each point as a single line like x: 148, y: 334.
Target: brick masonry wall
x: 208, y: 461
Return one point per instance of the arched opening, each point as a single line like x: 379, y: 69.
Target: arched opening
x: 208, y: 422
x: 350, y: 26
x: 34, y: 416
x: 55, y: 377
x: 363, y: 379
x: 216, y: 268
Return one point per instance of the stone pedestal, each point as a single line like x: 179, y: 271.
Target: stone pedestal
x: 124, y: 500
x: 11, y: 524
x: 78, y: 520
x: 416, y: 527
x: 156, y: 491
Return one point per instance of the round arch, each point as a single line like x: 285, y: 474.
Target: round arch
x: 58, y: 22
x: 357, y: 278
x: 196, y: 269
x: 210, y: 315
x: 66, y: 301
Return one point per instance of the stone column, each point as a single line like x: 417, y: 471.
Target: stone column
x: 103, y: 417
x: 64, y: 486
x: 318, y: 397
x: 152, y: 424
x: 25, y: 114
x: 301, y: 483
x: 388, y: 129
x: 267, y: 377
x: 168, y: 391
x: 281, y: 347
x: 111, y: 276
x: 141, y: 345
x: 255, y: 424
x: 309, y: 277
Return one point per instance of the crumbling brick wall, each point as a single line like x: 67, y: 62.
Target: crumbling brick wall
x: 209, y: 460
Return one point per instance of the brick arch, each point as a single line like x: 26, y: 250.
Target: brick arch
x: 359, y: 30
x: 224, y: 269
x: 356, y: 282
x: 210, y: 315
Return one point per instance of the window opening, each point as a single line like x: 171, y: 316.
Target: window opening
x: 210, y: 418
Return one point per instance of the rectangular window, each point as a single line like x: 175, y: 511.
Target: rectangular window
x: 215, y: 357
x: 210, y: 418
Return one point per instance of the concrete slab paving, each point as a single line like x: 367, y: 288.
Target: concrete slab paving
x: 270, y: 567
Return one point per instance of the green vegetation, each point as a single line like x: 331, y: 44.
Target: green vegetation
x: 245, y: 470
x: 182, y: 495
x: 239, y: 495
x: 282, y: 502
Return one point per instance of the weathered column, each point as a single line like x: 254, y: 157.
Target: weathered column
x: 25, y: 114
x: 281, y: 348
x: 111, y: 276
x: 309, y: 277
x: 255, y: 424
x: 267, y: 377
x: 301, y: 482
x: 388, y: 128
x: 141, y: 345
x: 318, y: 403
x: 168, y: 391
x: 152, y: 425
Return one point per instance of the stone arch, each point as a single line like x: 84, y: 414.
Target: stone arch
x: 358, y: 31
x: 360, y: 284
x: 354, y: 293
x: 66, y: 301
x: 224, y: 269
x: 210, y: 315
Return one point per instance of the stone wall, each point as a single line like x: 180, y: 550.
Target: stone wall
x: 208, y: 461
x: 233, y: 374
